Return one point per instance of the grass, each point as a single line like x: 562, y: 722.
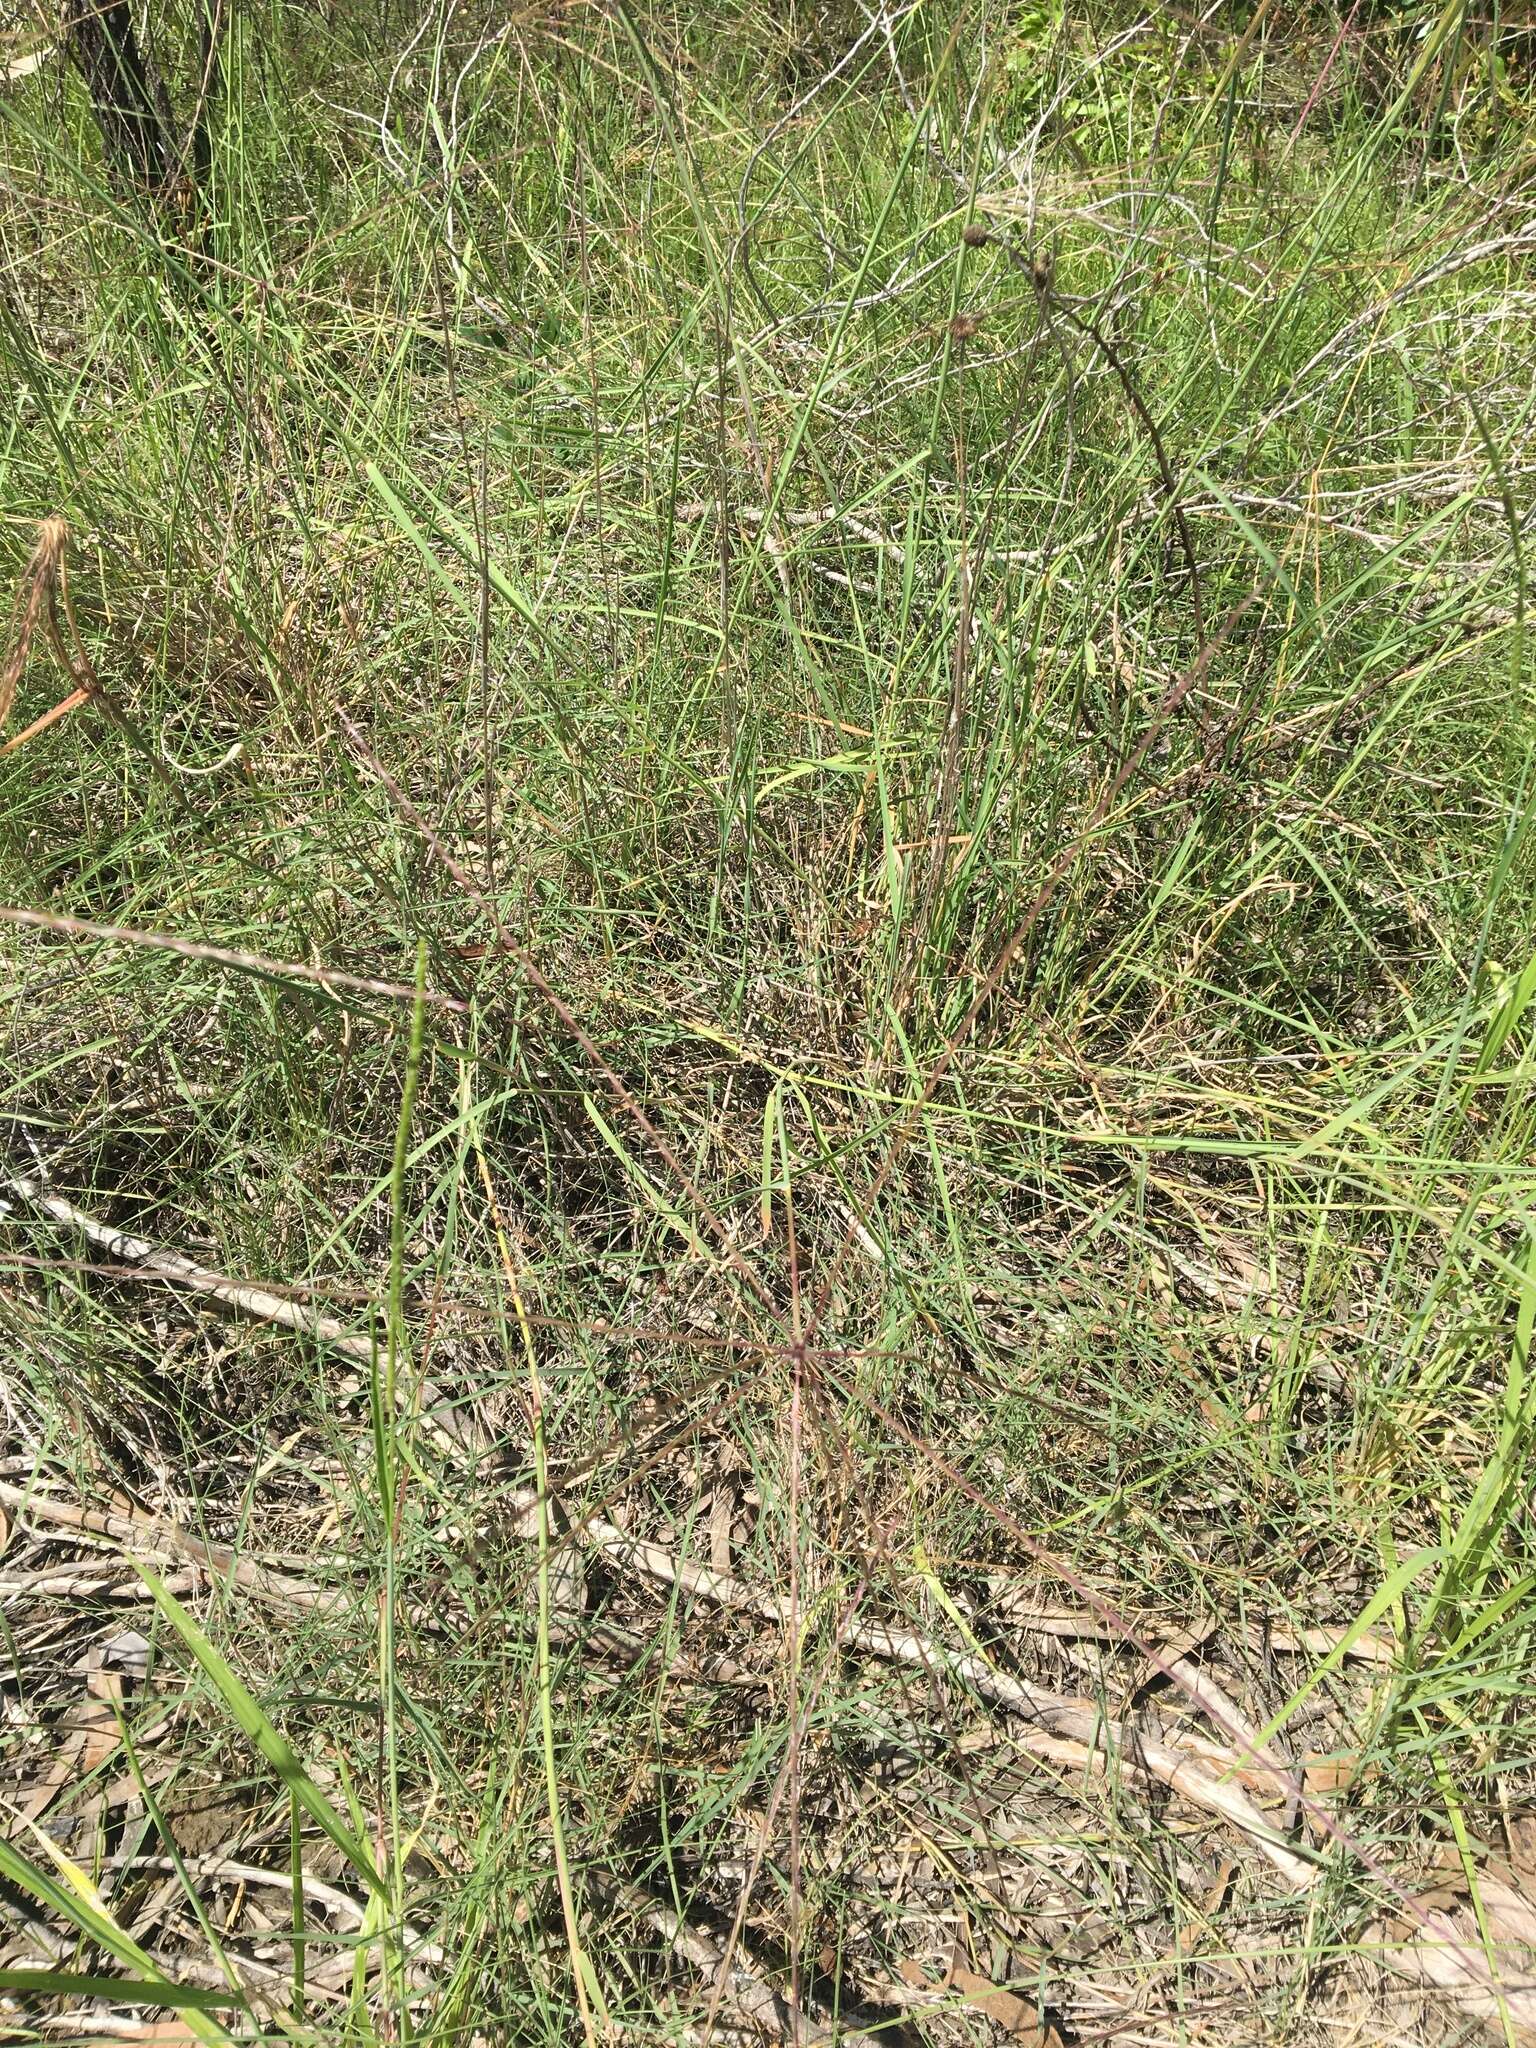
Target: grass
x: 911, y: 629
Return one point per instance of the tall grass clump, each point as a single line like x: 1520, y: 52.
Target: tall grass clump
x: 766, y: 887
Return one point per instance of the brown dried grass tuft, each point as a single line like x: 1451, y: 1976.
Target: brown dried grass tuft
x: 35, y: 604
x: 42, y: 594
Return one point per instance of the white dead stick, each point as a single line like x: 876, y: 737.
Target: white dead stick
x: 243, y: 1295
x: 1082, y: 1722
x: 148, y: 1538
x: 351, y: 1912
x: 1078, y: 1720
x: 1075, y: 1623
x: 184, y: 1272
x: 745, y: 1988
x: 1222, y: 1710
x: 107, y: 1584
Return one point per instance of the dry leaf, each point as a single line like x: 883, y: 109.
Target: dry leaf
x: 17, y: 68
x: 31, y: 1805
x: 1509, y: 1901
x: 1321, y: 1775
x: 1454, y: 1960
x: 128, y: 1651
x: 1016, y: 2016
x: 97, y: 1724
x: 1215, y: 1898
x: 90, y: 1734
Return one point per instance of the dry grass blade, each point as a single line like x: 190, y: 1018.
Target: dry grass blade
x: 51, y: 716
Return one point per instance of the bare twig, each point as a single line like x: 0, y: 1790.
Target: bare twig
x: 350, y: 1911
x: 160, y: 1264
x: 1075, y: 1624
x: 185, y: 1272
x: 746, y: 1990
x: 1075, y: 1720
x: 151, y: 1539
x: 226, y: 956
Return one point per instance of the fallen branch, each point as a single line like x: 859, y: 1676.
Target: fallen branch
x: 328, y: 978
x: 350, y: 1911
x: 243, y: 1295
x: 746, y: 1989
x: 185, y: 1272
x: 1076, y: 1624
x: 154, y: 1541
x: 1078, y: 1721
